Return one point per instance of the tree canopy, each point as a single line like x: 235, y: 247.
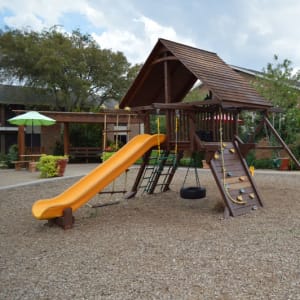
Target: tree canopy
x: 70, y: 67
x: 280, y: 84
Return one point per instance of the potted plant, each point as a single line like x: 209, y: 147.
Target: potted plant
x: 52, y: 165
x: 61, y: 164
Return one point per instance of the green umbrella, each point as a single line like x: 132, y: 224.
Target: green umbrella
x: 32, y: 118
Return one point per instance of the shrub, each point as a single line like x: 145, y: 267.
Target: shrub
x: 47, y: 164
x: 106, y: 155
x: 264, y: 164
x: 3, y: 161
x: 12, y: 155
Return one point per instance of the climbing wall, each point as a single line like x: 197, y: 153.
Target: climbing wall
x: 234, y: 180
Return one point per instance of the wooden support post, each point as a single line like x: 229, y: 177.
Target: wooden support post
x: 256, y: 131
x: 21, y: 140
x: 66, y: 139
x: 171, y: 175
x: 167, y: 89
x: 158, y: 172
x: 147, y: 123
x: 281, y: 141
x: 192, y: 130
x: 135, y: 186
x: 66, y: 221
x: 236, y: 120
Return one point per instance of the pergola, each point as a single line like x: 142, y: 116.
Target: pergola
x: 105, y: 116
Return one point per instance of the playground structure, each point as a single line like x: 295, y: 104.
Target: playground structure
x: 82, y: 191
x: 210, y: 127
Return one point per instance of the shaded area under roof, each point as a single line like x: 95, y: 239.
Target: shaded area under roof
x: 171, y: 70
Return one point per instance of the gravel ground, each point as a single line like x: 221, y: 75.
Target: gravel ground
x: 154, y: 246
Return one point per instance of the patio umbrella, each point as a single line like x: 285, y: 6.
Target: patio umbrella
x: 32, y: 118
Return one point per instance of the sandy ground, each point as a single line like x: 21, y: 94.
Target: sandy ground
x: 154, y: 246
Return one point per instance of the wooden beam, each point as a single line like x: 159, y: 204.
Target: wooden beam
x: 90, y: 117
x: 66, y: 139
x: 281, y: 141
x: 163, y: 59
x: 21, y: 140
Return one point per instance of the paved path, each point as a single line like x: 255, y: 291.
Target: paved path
x: 10, y: 177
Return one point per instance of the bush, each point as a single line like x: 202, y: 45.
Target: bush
x: 12, y: 155
x: 47, y: 164
x: 264, y: 164
x: 3, y: 161
x: 106, y: 155
x: 193, y: 160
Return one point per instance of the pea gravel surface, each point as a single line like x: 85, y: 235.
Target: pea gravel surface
x: 153, y: 246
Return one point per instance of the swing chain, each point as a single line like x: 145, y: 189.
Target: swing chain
x: 192, y: 162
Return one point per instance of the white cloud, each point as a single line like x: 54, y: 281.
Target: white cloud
x: 137, y: 46
x: 242, y: 32
x: 96, y: 17
x: 278, y: 25
x: 49, y: 13
x: 26, y: 20
x: 153, y: 30
x: 123, y: 29
x: 124, y: 41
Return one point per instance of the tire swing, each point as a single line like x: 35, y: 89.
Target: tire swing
x: 192, y: 192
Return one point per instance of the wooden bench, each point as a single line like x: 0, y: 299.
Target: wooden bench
x: 85, y: 152
x: 19, y: 164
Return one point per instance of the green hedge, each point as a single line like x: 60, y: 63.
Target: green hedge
x: 47, y: 164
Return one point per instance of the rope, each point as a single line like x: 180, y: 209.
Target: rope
x: 192, y: 161
x: 158, y: 131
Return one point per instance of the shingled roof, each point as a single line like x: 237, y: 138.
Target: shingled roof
x: 185, y: 66
x: 12, y: 94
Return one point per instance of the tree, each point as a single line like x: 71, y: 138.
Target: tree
x: 281, y: 85
x: 70, y: 67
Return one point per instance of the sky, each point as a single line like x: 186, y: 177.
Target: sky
x: 244, y: 33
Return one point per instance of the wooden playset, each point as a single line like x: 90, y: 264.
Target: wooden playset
x: 209, y: 126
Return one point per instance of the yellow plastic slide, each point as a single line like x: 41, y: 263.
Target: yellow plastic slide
x: 91, y: 184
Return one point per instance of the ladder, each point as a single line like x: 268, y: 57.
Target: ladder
x: 159, y: 173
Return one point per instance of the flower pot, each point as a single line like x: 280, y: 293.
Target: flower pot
x: 205, y: 164
x: 61, y: 166
x: 32, y: 166
x: 285, y: 164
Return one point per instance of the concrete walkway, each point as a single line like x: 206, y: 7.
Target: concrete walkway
x: 10, y: 177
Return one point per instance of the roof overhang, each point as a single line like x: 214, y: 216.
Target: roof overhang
x: 172, y: 69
